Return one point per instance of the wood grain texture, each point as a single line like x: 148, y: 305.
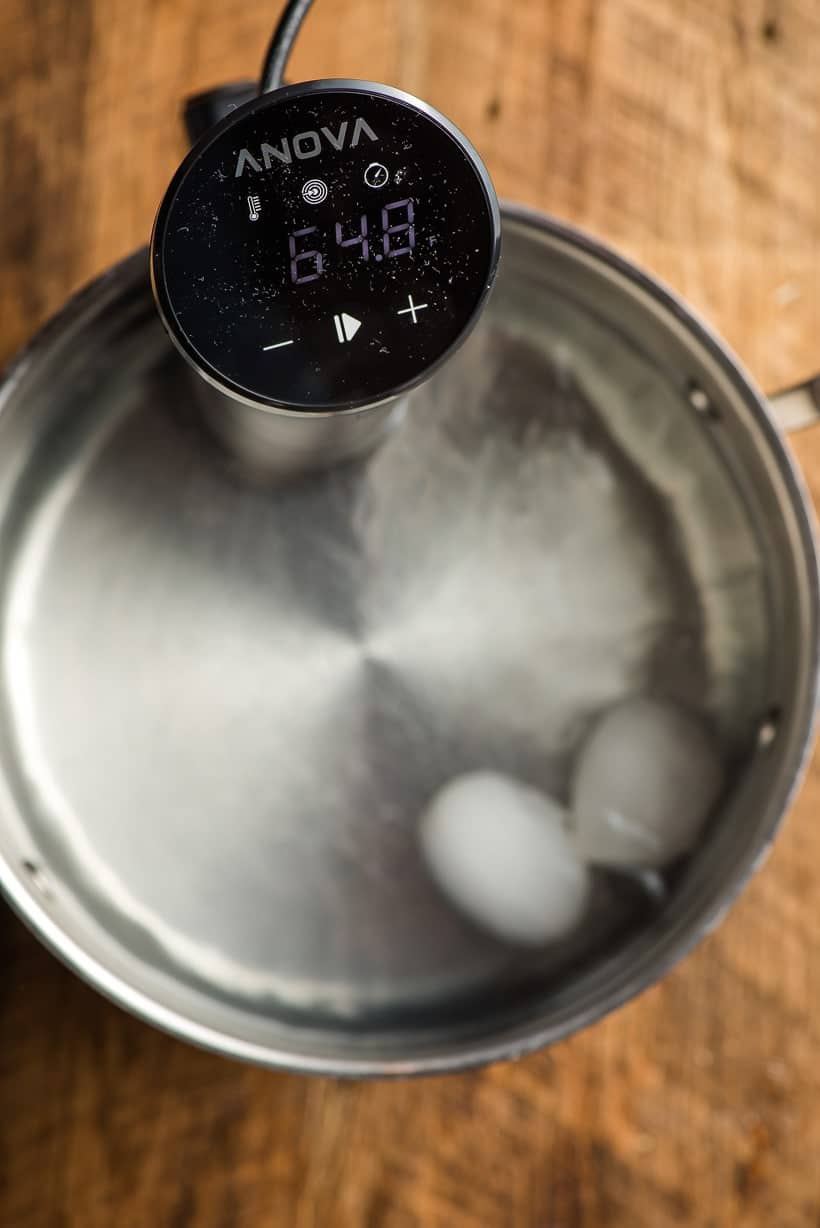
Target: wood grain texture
x: 686, y: 133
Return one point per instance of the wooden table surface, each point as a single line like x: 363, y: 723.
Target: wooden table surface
x: 685, y: 132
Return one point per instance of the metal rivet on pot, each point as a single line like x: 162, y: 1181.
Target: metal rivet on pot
x: 767, y: 730
x: 38, y: 878
x: 701, y: 402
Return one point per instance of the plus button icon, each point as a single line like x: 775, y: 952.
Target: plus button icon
x: 412, y: 309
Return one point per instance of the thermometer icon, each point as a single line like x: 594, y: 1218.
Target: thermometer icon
x: 254, y: 207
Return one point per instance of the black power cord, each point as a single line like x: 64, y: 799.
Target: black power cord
x: 204, y: 110
x: 281, y: 44
x: 201, y: 111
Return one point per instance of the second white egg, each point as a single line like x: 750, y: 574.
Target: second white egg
x: 643, y: 785
x: 498, y: 850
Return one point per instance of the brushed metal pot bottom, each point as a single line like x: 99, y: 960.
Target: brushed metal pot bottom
x: 224, y: 704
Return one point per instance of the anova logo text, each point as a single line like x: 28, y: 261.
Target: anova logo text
x: 304, y: 145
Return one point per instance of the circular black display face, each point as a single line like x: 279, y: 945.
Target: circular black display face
x: 325, y: 246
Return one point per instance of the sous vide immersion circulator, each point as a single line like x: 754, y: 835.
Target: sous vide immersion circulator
x: 318, y: 254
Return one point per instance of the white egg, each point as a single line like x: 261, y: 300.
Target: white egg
x: 499, y: 852
x: 644, y: 782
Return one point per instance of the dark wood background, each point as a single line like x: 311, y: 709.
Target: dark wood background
x: 686, y: 132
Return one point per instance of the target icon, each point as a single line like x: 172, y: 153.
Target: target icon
x: 314, y: 191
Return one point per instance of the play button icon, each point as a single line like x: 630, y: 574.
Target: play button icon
x: 346, y: 326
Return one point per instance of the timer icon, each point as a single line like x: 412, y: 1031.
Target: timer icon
x: 376, y: 175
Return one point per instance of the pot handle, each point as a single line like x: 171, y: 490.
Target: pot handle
x: 797, y: 407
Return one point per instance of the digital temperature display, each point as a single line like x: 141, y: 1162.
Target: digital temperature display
x: 397, y: 238
x: 325, y: 247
